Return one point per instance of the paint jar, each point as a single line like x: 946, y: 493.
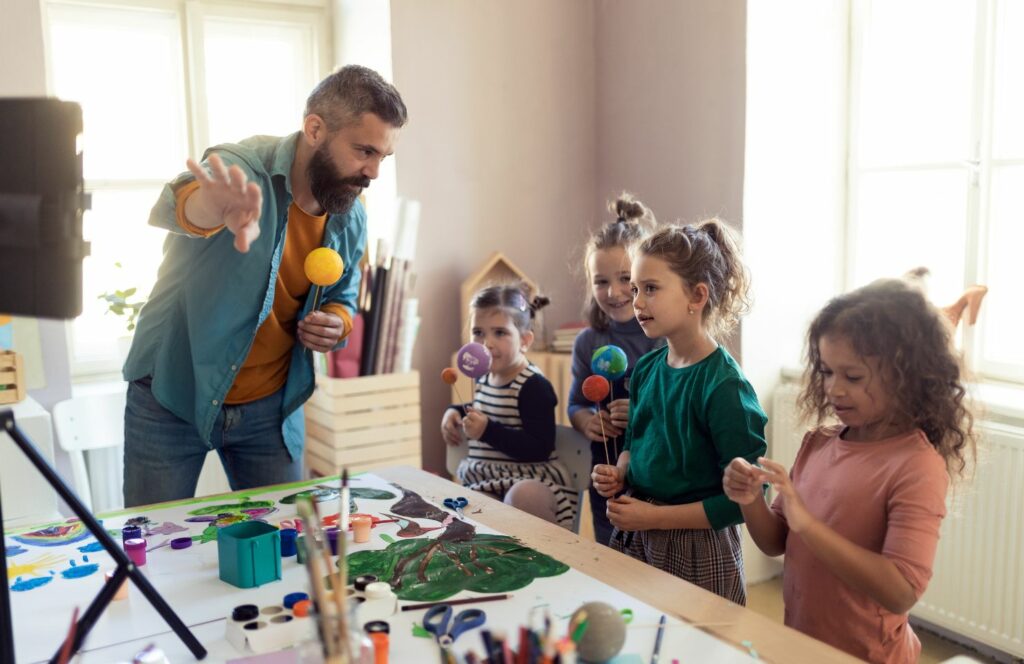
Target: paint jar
x: 332, y: 539
x: 381, y: 603
x: 136, y: 550
x: 130, y: 532
x: 122, y: 591
x: 361, y: 526
x: 288, y: 539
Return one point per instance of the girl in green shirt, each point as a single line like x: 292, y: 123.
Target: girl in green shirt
x: 691, y: 412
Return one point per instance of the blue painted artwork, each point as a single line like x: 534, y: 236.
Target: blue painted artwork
x: 78, y: 571
x: 28, y: 584
x: 14, y: 550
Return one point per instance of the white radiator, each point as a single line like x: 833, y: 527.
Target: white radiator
x: 977, y: 590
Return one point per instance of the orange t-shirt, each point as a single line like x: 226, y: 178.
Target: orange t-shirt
x: 888, y: 496
x: 265, y: 369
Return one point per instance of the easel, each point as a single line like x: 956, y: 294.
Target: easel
x: 125, y: 567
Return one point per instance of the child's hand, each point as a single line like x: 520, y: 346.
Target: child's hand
x: 793, y: 506
x: 474, y: 423
x: 619, y: 410
x: 742, y: 481
x: 627, y: 513
x: 451, y: 427
x: 593, y: 430
x: 607, y: 480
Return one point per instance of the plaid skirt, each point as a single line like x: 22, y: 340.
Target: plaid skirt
x: 711, y: 559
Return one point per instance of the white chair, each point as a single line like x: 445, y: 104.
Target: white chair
x: 573, y: 450
x: 27, y: 498
x: 91, y: 423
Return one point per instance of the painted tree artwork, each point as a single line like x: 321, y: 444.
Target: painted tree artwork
x: 429, y: 570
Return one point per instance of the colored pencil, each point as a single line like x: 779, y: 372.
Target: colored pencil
x: 657, y: 641
x: 468, y: 600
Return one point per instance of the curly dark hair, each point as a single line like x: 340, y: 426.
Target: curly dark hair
x: 892, y: 321
x: 633, y: 221
x: 708, y: 253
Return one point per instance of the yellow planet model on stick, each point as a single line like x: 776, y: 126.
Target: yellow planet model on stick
x: 323, y: 267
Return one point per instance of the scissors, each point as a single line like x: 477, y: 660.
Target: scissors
x: 456, y: 504
x: 437, y: 618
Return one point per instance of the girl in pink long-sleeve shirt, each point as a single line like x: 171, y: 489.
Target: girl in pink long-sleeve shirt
x: 858, y: 518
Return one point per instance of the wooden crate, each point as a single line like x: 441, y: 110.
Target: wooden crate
x: 12, y: 377
x: 363, y: 423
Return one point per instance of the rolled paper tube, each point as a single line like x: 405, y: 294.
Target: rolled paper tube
x: 288, y: 538
x: 361, y: 526
x: 122, y: 592
x: 136, y: 550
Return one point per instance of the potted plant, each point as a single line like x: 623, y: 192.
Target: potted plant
x: 118, y: 304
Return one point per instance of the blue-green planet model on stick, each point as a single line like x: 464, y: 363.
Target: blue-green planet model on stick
x: 609, y: 361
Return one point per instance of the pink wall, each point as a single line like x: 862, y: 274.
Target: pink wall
x: 670, y: 104
x: 500, y: 152
x: 526, y: 116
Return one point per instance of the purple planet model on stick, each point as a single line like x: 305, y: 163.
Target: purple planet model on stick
x: 474, y: 360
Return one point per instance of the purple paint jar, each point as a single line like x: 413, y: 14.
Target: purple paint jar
x: 332, y: 539
x: 136, y: 550
x: 288, y: 540
x: 130, y: 532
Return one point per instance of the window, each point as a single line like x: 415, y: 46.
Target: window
x: 936, y: 159
x: 158, y: 81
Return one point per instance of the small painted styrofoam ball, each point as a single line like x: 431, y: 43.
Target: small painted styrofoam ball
x: 449, y: 376
x: 596, y: 388
x: 609, y: 361
x: 605, y: 633
x: 323, y: 266
x: 474, y: 360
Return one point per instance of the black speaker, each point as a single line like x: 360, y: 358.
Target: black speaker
x: 42, y: 198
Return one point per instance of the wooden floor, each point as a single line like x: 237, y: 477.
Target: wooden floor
x: 766, y: 599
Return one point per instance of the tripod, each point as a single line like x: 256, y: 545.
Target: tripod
x: 125, y: 567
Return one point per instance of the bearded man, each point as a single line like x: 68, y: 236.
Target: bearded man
x: 219, y: 360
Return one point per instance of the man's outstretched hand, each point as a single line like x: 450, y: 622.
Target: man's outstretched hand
x: 225, y: 197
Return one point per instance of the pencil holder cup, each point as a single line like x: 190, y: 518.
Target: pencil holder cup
x: 249, y: 554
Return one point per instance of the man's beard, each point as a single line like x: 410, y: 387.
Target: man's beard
x: 334, y: 193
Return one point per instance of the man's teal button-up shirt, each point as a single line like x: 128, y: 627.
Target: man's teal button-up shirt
x: 196, y: 330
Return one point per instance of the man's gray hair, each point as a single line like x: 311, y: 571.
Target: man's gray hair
x: 344, y: 96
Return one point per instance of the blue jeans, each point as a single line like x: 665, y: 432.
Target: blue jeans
x: 163, y: 454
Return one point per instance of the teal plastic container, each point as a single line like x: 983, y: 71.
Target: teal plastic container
x: 249, y: 554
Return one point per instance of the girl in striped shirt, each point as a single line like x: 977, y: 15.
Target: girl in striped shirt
x: 510, y: 426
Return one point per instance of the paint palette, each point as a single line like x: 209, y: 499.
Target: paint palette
x: 265, y: 629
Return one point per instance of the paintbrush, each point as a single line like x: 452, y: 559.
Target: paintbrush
x: 67, y: 649
x: 316, y: 579
x: 340, y: 591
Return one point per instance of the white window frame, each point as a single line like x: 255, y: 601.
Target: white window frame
x: 317, y: 13
x: 978, y: 167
